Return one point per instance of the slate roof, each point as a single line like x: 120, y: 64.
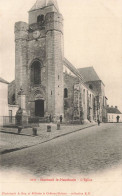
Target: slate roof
x: 89, y: 74
x: 3, y: 81
x: 43, y: 3
x: 113, y: 110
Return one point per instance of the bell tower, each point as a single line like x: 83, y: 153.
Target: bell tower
x: 39, y: 59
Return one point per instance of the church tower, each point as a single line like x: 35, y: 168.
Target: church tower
x: 39, y: 59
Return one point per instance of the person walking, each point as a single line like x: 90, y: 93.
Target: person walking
x: 61, y: 118
x: 117, y: 119
x: 98, y: 121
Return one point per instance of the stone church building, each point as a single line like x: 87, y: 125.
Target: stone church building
x: 49, y: 82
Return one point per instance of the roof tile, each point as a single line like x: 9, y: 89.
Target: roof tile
x: 113, y: 110
x: 89, y: 74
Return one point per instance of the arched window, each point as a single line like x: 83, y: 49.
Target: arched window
x: 36, y: 72
x: 40, y: 19
x: 65, y: 93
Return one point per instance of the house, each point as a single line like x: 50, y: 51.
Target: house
x: 113, y: 114
x: 3, y: 99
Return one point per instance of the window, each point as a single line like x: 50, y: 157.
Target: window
x: 13, y: 99
x: 40, y: 19
x: 36, y: 72
x: 90, y: 86
x: 65, y: 93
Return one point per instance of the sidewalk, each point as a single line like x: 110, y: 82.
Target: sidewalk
x: 11, y: 141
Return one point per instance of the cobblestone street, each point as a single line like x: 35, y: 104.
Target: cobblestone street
x: 11, y: 141
x: 89, y: 150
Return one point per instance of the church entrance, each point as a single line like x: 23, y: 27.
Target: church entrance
x: 39, y: 108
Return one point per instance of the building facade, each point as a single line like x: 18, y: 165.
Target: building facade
x: 113, y: 114
x: 3, y: 100
x: 39, y: 60
x: 51, y: 84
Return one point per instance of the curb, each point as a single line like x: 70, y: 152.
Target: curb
x: 6, y: 151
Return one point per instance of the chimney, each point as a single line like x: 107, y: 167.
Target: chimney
x: 107, y: 106
x: 116, y: 107
x: 112, y: 106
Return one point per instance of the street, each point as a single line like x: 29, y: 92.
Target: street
x: 89, y: 150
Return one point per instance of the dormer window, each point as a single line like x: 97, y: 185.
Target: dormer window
x: 40, y: 19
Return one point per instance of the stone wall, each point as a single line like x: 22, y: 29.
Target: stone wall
x: 99, y: 89
x: 54, y: 59
x: 69, y: 82
x: 21, y: 36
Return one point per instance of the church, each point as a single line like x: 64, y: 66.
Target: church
x: 50, y: 83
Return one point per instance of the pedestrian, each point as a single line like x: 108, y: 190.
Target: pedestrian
x: 98, y: 122
x: 50, y: 117
x: 117, y: 119
x: 61, y: 118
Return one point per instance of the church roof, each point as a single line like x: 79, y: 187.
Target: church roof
x: 73, y: 69
x: 89, y: 74
x: 3, y: 81
x: 113, y: 110
x: 43, y: 3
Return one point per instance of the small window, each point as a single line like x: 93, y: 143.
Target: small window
x: 65, y: 93
x: 40, y: 19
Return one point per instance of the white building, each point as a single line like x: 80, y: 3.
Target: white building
x: 3, y: 99
x: 113, y: 114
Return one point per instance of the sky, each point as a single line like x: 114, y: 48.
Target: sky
x: 92, y: 37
